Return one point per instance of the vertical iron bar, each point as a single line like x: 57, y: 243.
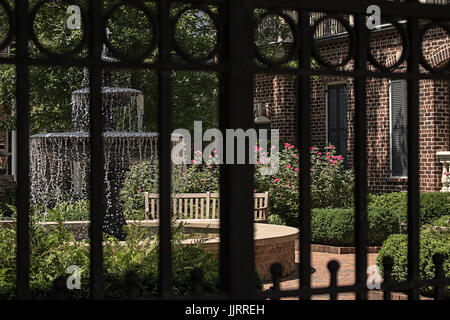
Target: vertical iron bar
x: 225, y: 185
x: 276, y: 270
x: 387, y: 266
x: 360, y: 158
x: 413, y: 159
x: 165, y: 116
x: 303, y: 114
x: 333, y: 268
x: 236, y: 220
x: 97, y: 174
x: 23, y: 150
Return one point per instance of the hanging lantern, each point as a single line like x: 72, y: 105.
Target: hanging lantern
x: 261, y: 120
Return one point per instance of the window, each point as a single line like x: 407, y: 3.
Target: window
x: 399, y: 128
x: 337, y: 118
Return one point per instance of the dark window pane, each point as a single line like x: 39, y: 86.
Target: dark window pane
x: 399, y: 128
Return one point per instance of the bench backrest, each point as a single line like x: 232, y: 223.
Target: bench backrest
x: 201, y: 205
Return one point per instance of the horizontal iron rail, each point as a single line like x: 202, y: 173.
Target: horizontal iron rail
x: 223, y: 66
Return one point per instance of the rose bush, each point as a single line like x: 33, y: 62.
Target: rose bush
x: 331, y: 183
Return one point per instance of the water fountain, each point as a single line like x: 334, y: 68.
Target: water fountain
x: 60, y: 161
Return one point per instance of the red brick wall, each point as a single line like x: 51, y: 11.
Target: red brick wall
x: 278, y: 94
x: 434, y: 113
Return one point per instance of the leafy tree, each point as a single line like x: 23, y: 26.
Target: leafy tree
x: 194, y: 94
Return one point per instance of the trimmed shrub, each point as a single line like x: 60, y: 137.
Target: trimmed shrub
x: 431, y: 242
x: 432, y: 204
x: 336, y: 226
x: 396, y: 201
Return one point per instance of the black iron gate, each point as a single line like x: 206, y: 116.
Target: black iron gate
x: 236, y: 67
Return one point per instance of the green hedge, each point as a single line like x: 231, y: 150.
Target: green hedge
x: 336, y: 226
x: 433, y: 205
x: 431, y: 242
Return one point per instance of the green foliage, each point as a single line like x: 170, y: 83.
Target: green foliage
x: 202, y: 176
x: 336, y: 226
x: 443, y: 221
x: 431, y: 242
x: 144, y: 177
x: 432, y: 204
x: 331, y: 183
x: 396, y: 201
x: 65, y: 211
x: 275, y: 219
x: 8, y: 200
x: 53, y: 249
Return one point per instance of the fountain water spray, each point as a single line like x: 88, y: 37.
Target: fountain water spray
x: 60, y: 161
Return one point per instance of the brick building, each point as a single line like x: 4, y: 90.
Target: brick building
x: 332, y: 107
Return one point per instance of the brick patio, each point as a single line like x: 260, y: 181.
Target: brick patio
x: 321, y: 276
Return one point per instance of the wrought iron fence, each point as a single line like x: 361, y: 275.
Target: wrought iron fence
x: 236, y: 66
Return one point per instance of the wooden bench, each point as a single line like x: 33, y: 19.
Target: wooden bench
x: 201, y: 205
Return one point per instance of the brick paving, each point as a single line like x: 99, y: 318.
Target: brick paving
x: 321, y: 276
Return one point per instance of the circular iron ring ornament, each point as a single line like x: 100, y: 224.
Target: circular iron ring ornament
x: 288, y: 57
x: 8, y: 37
x: 48, y: 52
x: 177, y: 47
x: 138, y: 5
x: 422, y: 33
x: 405, y: 48
x: 351, y: 38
